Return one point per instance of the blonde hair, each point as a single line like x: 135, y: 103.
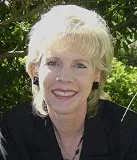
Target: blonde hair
x: 74, y: 26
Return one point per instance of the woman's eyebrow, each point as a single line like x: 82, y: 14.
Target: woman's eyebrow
x: 82, y: 60
x: 51, y: 57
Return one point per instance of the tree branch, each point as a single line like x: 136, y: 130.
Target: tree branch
x: 38, y: 9
x: 12, y: 54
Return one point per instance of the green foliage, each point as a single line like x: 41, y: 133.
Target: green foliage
x: 129, y: 57
x: 15, y: 83
x: 14, y: 38
x: 122, y: 84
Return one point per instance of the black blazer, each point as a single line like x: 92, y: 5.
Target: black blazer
x: 29, y: 137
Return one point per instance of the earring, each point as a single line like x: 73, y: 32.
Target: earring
x: 95, y: 85
x: 36, y: 81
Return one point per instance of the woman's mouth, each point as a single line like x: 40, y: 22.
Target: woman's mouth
x: 64, y: 94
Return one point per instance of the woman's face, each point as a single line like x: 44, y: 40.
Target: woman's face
x: 66, y: 78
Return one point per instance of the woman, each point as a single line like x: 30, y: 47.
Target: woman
x: 69, y: 58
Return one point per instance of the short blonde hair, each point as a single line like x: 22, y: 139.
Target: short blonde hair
x: 75, y: 26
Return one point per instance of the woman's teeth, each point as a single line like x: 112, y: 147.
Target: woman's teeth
x: 59, y: 93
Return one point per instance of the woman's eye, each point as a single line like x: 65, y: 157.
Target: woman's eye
x: 52, y: 63
x: 80, y: 65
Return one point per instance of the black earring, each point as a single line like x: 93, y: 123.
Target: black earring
x: 95, y: 85
x: 36, y: 81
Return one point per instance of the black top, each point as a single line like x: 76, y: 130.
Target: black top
x: 29, y: 137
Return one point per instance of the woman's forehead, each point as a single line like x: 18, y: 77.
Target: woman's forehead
x: 65, y: 46
x: 66, y: 51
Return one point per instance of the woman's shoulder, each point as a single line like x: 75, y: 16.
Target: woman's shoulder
x: 122, y: 132
x: 118, y: 113
x: 19, y: 114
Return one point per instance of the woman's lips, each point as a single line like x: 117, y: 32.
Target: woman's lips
x: 64, y: 94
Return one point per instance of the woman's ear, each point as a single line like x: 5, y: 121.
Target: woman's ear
x: 96, y: 81
x: 97, y: 75
x: 33, y: 70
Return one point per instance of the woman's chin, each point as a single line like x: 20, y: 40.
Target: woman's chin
x: 63, y: 110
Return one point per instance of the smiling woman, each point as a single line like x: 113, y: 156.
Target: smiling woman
x: 69, y: 57
x: 75, y: 34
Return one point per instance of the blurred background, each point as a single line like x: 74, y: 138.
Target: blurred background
x: 16, y: 19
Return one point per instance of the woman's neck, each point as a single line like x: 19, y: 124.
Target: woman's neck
x: 69, y: 132
x: 70, y: 125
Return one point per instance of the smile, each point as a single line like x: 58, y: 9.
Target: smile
x: 59, y: 93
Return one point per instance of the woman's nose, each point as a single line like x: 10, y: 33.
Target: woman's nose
x: 65, y: 76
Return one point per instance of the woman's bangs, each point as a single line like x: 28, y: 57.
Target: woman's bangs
x: 75, y: 42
